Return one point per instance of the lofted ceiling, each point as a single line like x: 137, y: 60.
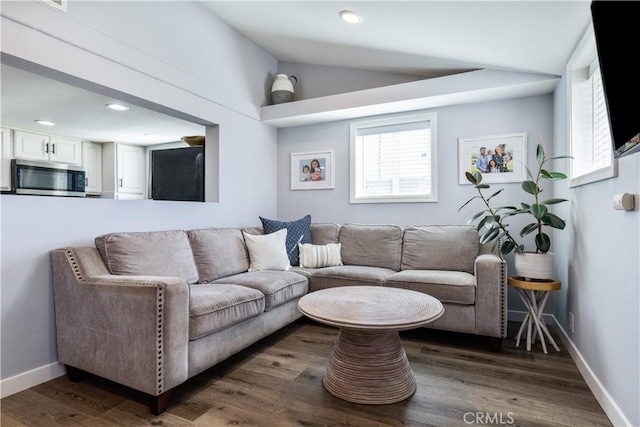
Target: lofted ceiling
x: 420, y: 38
x: 416, y: 38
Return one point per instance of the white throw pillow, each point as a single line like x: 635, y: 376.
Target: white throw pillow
x: 316, y: 256
x: 267, y: 251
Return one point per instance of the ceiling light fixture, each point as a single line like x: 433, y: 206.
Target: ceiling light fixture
x: 351, y: 17
x: 45, y: 122
x: 118, y: 107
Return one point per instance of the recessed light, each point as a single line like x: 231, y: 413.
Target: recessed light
x: 151, y: 135
x: 351, y: 17
x: 45, y: 122
x: 118, y: 107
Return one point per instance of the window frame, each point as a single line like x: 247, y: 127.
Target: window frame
x: 432, y: 118
x: 584, y: 55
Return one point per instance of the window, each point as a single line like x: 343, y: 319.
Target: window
x: 393, y: 160
x: 589, y: 133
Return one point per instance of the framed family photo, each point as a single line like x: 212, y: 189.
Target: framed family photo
x: 499, y: 158
x: 313, y: 170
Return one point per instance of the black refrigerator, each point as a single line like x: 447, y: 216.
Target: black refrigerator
x: 178, y: 174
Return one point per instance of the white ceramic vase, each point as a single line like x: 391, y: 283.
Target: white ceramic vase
x: 531, y: 265
x: 282, y: 89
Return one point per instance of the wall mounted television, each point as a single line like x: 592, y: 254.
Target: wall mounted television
x: 616, y: 25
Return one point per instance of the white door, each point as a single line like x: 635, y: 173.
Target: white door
x: 92, y: 162
x: 6, y: 153
x: 65, y: 150
x: 130, y: 176
x: 30, y: 146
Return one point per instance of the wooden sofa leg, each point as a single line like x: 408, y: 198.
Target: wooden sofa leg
x: 495, y: 344
x: 75, y: 375
x: 158, y: 404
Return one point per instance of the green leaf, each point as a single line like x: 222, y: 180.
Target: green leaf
x: 525, y: 206
x: 467, y: 202
x: 495, y: 194
x: 543, y: 242
x: 492, y: 221
x: 478, y: 177
x: 538, y: 210
x: 530, y: 187
x: 545, y: 174
x: 482, y: 222
x: 529, y: 174
x: 528, y: 229
x: 558, y: 175
x: 501, y: 208
x: 489, y: 235
x: 479, y: 186
x: 560, y: 157
x: 507, y: 246
x: 475, y: 216
x: 471, y: 178
x: 553, y: 201
x: 553, y: 221
x: 540, y: 154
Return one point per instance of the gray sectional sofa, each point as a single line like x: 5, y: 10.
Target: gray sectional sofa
x: 151, y: 310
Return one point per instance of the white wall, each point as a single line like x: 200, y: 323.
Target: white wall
x: 319, y: 80
x: 530, y: 114
x: 174, y: 54
x: 598, y: 261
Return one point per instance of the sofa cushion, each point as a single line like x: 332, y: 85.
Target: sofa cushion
x: 218, y: 252
x: 371, y: 245
x: 297, y: 232
x: 278, y: 287
x: 348, y: 275
x: 316, y: 256
x: 324, y: 233
x: 447, y: 286
x: 440, y: 247
x: 267, y: 251
x: 213, y: 307
x: 155, y: 253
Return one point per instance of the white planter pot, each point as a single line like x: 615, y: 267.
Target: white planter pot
x: 531, y: 265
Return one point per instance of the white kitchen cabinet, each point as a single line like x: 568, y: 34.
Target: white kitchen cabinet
x: 6, y: 153
x: 92, y: 163
x: 65, y: 150
x: 123, y: 169
x: 38, y: 146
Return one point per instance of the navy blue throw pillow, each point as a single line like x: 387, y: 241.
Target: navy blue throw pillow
x: 297, y: 232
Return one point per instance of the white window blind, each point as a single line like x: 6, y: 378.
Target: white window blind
x: 589, y: 132
x: 393, y: 161
x: 601, y: 139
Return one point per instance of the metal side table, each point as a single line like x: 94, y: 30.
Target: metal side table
x: 534, y: 294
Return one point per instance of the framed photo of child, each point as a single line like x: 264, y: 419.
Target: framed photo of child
x: 499, y: 158
x: 313, y: 170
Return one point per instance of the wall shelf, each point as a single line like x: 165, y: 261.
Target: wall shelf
x: 469, y: 87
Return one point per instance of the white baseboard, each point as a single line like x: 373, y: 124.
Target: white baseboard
x: 31, y: 378
x: 610, y: 407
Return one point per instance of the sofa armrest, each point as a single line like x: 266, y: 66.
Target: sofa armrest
x: 133, y: 330
x: 491, y: 296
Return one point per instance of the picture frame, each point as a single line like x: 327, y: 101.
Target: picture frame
x: 320, y: 176
x: 505, y: 157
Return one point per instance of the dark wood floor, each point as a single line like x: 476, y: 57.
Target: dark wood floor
x: 278, y: 382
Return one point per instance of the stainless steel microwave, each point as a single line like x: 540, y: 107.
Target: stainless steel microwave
x: 47, y: 178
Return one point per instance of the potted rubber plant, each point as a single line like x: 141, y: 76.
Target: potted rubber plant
x: 493, y: 220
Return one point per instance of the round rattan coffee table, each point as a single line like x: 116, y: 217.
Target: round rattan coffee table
x: 368, y: 364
